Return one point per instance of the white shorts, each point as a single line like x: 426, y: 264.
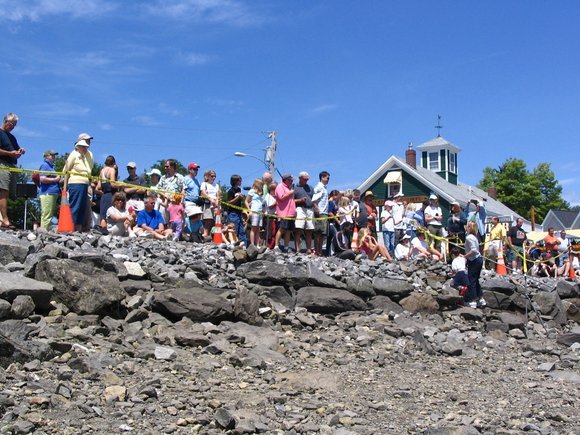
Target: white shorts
x: 304, y: 218
x: 493, y: 248
x: 256, y: 220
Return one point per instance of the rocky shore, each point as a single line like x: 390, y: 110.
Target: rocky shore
x: 106, y: 335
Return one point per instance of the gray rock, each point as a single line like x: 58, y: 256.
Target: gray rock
x: 568, y: 339
x: 224, y: 418
x: 499, y: 284
x: 328, y: 300
x: 497, y: 300
x: 567, y: 289
x: 134, y: 270
x: 513, y: 320
x: 195, y: 303
x: 550, y: 304
x: 393, y: 288
x: 13, y: 285
x: 246, y: 307
x: 81, y: 287
x: 360, y: 286
x: 5, y: 308
x: 22, y: 307
x: 386, y: 304
x: 12, y: 248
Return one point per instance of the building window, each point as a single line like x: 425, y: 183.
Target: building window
x: 393, y: 189
x: 452, y: 163
x: 434, y: 161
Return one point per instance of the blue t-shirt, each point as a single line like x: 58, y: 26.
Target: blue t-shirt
x: 192, y: 188
x: 48, y: 188
x: 152, y: 219
x: 256, y: 202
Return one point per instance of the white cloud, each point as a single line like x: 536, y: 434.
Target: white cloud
x: 224, y: 102
x: 146, y: 121
x: 105, y: 126
x: 233, y: 12
x: 168, y: 110
x: 35, y: 10
x: 195, y: 58
x: 59, y: 110
x: 323, y: 108
x: 24, y: 132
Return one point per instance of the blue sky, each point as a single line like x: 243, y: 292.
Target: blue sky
x: 345, y: 84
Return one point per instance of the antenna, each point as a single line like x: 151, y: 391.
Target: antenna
x: 439, y: 126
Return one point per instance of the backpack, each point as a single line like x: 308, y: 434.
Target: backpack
x: 36, y: 179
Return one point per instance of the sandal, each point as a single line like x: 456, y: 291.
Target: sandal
x: 8, y: 226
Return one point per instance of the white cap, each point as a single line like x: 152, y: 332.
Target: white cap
x: 82, y: 143
x: 398, y: 195
x: 433, y: 196
x: 192, y: 210
x: 84, y: 136
x: 154, y: 171
x: 406, y: 236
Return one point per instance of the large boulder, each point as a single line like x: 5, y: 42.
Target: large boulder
x: 13, y: 285
x: 13, y: 249
x: 195, y: 303
x: 499, y: 284
x: 83, y: 288
x: 419, y: 303
x: 15, y: 344
x: 392, y: 287
x: 550, y: 304
x: 328, y: 300
x: 295, y: 275
x: 567, y: 289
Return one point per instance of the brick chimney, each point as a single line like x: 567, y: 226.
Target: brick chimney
x: 411, y: 156
x: 492, y: 192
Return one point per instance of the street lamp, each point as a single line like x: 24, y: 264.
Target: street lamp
x: 240, y: 154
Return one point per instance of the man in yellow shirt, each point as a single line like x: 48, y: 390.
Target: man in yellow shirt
x: 495, y: 240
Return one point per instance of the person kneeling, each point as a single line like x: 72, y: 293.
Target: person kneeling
x: 150, y: 222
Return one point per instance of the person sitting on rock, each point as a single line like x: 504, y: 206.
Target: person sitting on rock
x: 459, y: 270
x: 341, y: 242
x: 402, y: 249
x: 150, y: 222
x: 369, y: 245
x: 119, y: 220
x: 420, y: 249
x: 192, y: 231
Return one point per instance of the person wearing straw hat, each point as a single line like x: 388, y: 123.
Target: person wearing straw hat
x: 78, y: 168
x: 48, y: 189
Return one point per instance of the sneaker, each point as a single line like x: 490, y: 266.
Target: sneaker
x: 481, y: 303
x: 147, y: 235
x: 471, y: 304
x: 358, y: 257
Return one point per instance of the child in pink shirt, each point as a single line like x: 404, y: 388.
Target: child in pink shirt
x: 176, y: 212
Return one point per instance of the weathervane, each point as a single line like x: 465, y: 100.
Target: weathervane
x: 438, y: 126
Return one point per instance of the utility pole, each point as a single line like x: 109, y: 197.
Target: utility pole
x: 270, y: 155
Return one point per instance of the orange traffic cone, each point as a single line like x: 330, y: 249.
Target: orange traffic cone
x: 500, y: 268
x: 65, y: 220
x: 217, y: 231
x: 354, y: 241
x: 572, y: 273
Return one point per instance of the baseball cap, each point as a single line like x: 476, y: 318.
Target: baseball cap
x: 154, y: 171
x: 193, y: 165
x: 132, y: 165
x: 406, y: 236
x: 398, y: 195
x: 454, y: 203
x: 50, y: 153
x: 389, y: 203
x: 433, y: 196
x: 82, y: 143
x: 369, y: 193
x: 84, y: 136
x: 286, y: 176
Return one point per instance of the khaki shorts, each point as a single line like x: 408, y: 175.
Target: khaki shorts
x: 8, y: 180
x: 321, y: 225
x: 304, y: 218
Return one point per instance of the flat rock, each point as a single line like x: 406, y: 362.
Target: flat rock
x: 13, y: 285
x: 194, y: 303
x: 328, y: 300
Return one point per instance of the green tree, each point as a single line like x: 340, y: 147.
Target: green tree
x: 521, y: 189
x: 160, y: 164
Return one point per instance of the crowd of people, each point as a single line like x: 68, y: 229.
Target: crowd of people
x: 288, y: 216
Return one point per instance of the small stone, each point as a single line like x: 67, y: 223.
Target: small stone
x: 165, y: 353
x: 115, y: 393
